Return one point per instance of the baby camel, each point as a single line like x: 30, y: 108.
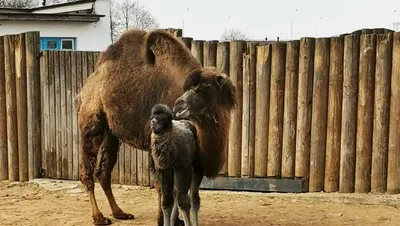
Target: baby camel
x: 174, y: 150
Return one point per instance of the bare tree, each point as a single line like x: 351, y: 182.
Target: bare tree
x: 130, y: 14
x: 17, y: 4
x: 233, y: 34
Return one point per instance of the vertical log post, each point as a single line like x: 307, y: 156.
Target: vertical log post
x: 335, y: 91
x: 245, y: 164
x: 45, y: 112
x: 365, y: 113
x: 198, y: 51
x: 248, y: 120
x: 22, y: 120
x: 275, y: 132
x: 252, y: 104
x: 319, y: 114
x: 187, y: 41
x: 3, y: 117
x: 11, y: 104
x: 210, y: 54
x: 290, y: 109
x: 237, y: 48
x: 32, y: 43
x: 263, y: 74
x: 349, y: 113
x: 393, y: 184
x: 223, y: 66
x: 304, y: 109
x: 380, y: 140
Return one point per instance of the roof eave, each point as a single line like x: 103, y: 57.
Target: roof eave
x: 50, y: 17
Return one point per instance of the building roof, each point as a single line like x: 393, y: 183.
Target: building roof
x: 79, y: 11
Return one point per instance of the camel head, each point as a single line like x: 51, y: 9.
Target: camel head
x: 204, y: 90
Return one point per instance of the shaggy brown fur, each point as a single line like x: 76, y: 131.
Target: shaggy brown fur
x: 174, y: 149
x: 138, y: 71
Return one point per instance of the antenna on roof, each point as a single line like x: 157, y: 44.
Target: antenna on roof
x: 44, y: 3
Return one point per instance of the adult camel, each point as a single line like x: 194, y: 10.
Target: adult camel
x: 114, y: 105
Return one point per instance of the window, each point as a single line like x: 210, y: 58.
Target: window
x: 66, y: 44
x: 51, y: 44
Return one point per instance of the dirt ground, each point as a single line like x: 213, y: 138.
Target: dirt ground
x: 51, y: 202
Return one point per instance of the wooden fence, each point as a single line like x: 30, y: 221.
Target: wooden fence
x: 20, y: 130
x: 63, y: 73
x: 322, y: 110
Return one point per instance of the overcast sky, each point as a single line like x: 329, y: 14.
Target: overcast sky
x: 207, y: 19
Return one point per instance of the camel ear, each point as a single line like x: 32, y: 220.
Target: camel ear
x: 193, y: 79
x: 220, y: 79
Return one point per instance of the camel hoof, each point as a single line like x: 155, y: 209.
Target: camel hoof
x: 102, y: 221
x: 179, y: 222
x: 123, y: 216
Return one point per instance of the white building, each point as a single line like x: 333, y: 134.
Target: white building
x: 83, y: 25
x: 396, y: 26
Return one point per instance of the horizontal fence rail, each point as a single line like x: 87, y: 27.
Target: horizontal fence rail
x: 325, y: 111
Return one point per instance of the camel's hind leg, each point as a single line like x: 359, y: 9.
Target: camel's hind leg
x: 108, y: 158
x: 91, y: 131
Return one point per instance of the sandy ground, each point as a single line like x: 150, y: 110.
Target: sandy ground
x: 51, y: 202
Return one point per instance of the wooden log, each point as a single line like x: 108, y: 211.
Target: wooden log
x: 197, y: 50
x: 85, y: 56
x: 11, y: 105
x: 32, y: 44
x: 121, y: 159
x: 177, y: 33
x: 245, y: 159
x: 290, y: 109
x: 380, y: 139
x: 69, y: 109
x: 90, y: 63
x: 79, y: 85
x: 3, y: 117
x: 146, y: 170
x: 252, y: 104
x: 304, y: 109
x: 115, y: 171
x: 248, y: 115
x: 64, y: 132
x: 187, y: 41
x: 133, y: 166
x: 237, y: 48
x: 53, y: 77
x: 223, y: 66
x: 365, y: 113
x: 335, y: 90
x: 127, y: 162
x: 263, y: 75
x: 139, y: 166
x: 59, y: 128
x: 210, y: 53
x: 349, y: 113
x: 22, y: 120
x: 319, y: 114
x: 393, y: 184
x: 74, y: 122
x: 275, y: 133
x: 45, y: 111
